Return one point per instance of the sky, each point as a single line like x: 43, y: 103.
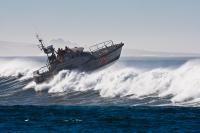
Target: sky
x: 155, y: 25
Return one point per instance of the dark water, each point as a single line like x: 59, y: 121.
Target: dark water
x: 98, y: 119
x: 82, y: 104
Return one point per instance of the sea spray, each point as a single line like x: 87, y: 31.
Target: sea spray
x: 16, y: 67
x: 182, y: 83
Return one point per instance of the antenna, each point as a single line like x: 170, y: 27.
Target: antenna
x: 39, y: 39
x: 41, y: 45
x: 49, y: 51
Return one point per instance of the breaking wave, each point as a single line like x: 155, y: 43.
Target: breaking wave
x: 183, y: 83
x: 179, y: 85
x: 15, y: 67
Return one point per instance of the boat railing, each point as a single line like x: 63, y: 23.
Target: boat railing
x: 42, y: 70
x: 102, y: 45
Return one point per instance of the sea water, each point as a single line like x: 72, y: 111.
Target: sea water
x: 138, y: 94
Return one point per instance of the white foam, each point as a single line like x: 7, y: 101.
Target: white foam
x: 16, y: 67
x: 182, y: 83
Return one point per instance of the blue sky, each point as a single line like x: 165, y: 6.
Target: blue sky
x: 157, y: 25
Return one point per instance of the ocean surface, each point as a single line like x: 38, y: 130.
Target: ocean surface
x: 138, y: 94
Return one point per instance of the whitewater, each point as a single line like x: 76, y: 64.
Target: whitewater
x: 129, y: 81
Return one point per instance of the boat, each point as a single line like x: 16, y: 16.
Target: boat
x: 76, y: 58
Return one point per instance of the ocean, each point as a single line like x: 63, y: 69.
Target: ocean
x: 138, y: 94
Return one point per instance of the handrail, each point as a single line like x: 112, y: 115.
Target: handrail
x: 98, y: 46
x: 43, y: 69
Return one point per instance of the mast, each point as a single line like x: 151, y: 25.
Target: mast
x: 49, y: 50
x: 41, y: 45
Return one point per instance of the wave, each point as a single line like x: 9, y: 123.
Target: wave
x: 180, y: 85
x: 16, y: 67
